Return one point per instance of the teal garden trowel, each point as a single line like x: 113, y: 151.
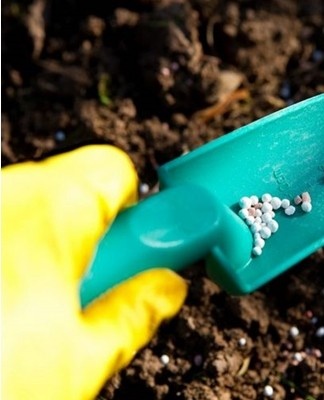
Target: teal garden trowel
x: 195, y: 214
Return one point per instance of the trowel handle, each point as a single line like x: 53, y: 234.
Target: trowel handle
x: 172, y: 229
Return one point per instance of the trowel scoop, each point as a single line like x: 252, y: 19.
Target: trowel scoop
x: 195, y: 214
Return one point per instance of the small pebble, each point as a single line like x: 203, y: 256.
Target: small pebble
x: 285, y: 203
x: 285, y: 90
x: 289, y: 345
x: 60, y: 136
x: 268, y: 391
x: 294, y: 331
x: 276, y: 203
x: 320, y: 332
x: 165, y: 359
x: 198, y: 359
x: 317, y: 55
x: 317, y: 353
x: 290, y: 210
x: 165, y: 71
x: 306, y: 206
x: 174, y: 66
x: 242, y: 342
x: 298, y: 357
x: 144, y: 188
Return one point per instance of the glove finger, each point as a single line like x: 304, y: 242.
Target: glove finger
x: 73, y: 197
x: 124, y: 320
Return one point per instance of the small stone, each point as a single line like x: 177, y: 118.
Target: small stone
x: 144, y: 188
x: 289, y: 345
x: 317, y: 55
x: 165, y: 359
x: 298, y: 357
x: 165, y: 71
x: 320, y: 332
x: 268, y: 391
x: 294, y: 331
x: 174, y: 66
x: 198, y: 359
x: 317, y: 353
x: 285, y: 90
x: 60, y: 136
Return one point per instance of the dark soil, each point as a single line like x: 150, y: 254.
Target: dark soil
x: 158, y: 78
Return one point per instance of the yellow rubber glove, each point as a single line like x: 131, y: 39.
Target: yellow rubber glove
x: 53, y: 214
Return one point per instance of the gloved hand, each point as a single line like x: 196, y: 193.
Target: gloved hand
x: 53, y: 214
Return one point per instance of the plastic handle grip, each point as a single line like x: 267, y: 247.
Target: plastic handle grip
x: 172, y: 229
